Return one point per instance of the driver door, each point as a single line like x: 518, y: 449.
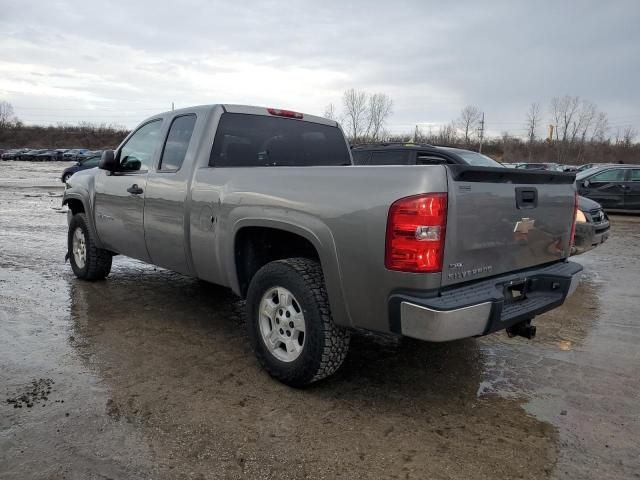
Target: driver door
x: 119, y: 200
x: 606, y: 188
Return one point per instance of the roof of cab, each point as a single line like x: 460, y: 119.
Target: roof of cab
x: 243, y: 109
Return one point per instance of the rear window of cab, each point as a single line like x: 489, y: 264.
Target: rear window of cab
x: 260, y: 141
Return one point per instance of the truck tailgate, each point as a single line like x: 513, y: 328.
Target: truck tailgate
x: 501, y: 220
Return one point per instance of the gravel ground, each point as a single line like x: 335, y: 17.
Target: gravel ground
x: 148, y: 375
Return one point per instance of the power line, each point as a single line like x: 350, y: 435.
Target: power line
x: 481, y: 133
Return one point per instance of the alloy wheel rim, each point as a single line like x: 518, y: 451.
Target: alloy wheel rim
x: 282, y: 325
x: 79, y: 248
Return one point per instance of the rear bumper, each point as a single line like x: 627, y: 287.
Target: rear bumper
x: 482, y: 307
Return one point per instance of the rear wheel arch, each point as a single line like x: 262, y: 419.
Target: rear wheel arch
x: 315, y: 245
x: 255, y: 246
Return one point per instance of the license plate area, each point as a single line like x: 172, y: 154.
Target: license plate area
x: 515, y: 291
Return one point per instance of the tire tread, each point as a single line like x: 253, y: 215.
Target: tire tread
x: 335, y: 339
x: 98, y: 260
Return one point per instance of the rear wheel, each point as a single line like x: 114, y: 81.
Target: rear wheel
x: 289, y: 323
x: 88, y: 262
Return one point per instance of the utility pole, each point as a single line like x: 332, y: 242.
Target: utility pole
x: 481, y: 133
x: 172, y: 106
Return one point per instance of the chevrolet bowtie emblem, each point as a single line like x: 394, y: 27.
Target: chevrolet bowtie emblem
x: 524, y: 225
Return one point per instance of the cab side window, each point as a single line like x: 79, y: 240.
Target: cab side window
x: 634, y: 175
x: 614, y: 175
x: 391, y: 157
x: 360, y: 157
x: 137, y: 154
x: 431, y: 159
x: 177, y: 143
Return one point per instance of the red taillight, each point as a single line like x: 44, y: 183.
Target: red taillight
x: 415, y: 233
x: 284, y: 113
x: 573, y: 225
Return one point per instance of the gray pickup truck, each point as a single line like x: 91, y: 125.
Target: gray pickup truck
x: 268, y: 203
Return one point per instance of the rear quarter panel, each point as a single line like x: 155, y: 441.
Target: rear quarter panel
x: 342, y: 211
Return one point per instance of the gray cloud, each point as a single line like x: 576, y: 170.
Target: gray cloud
x: 70, y: 60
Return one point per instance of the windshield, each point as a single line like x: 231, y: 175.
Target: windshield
x: 586, y: 173
x: 475, y: 159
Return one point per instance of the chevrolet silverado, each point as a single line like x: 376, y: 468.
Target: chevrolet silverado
x: 267, y: 202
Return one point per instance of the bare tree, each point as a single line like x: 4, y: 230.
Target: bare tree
x: 600, y: 128
x: 587, y: 115
x: 330, y: 112
x: 355, y: 112
x: 6, y: 113
x: 628, y: 136
x: 533, y: 121
x: 447, y: 135
x: 380, y: 108
x: 468, y: 121
x: 564, y: 111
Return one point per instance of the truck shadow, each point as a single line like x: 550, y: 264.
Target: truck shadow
x: 174, y: 354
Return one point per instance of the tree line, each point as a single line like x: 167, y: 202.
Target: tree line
x: 573, y: 131
x: 95, y: 136
x: 576, y: 133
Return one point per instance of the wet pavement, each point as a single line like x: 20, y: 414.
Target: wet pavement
x: 148, y: 375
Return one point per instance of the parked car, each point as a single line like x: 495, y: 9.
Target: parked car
x: 45, y: 156
x: 615, y: 187
x: 84, y: 164
x: 30, y: 155
x: 268, y: 203
x: 554, y: 167
x: 13, y: 154
x: 87, y: 154
x: 417, y: 154
x: 60, y: 154
x: 587, y: 166
x: 593, y: 229
x: 592, y: 226
x: 72, y: 154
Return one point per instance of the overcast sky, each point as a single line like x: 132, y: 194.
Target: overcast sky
x: 121, y: 61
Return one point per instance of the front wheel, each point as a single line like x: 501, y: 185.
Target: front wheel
x: 289, y: 323
x: 88, y: 262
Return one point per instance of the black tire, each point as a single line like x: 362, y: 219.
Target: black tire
x: 325, y: 345
x: 98, y: 261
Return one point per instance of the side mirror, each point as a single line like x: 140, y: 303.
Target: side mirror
x: 108, y: 161
x: 586, y: 184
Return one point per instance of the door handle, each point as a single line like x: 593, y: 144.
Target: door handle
x: 135, y: 189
